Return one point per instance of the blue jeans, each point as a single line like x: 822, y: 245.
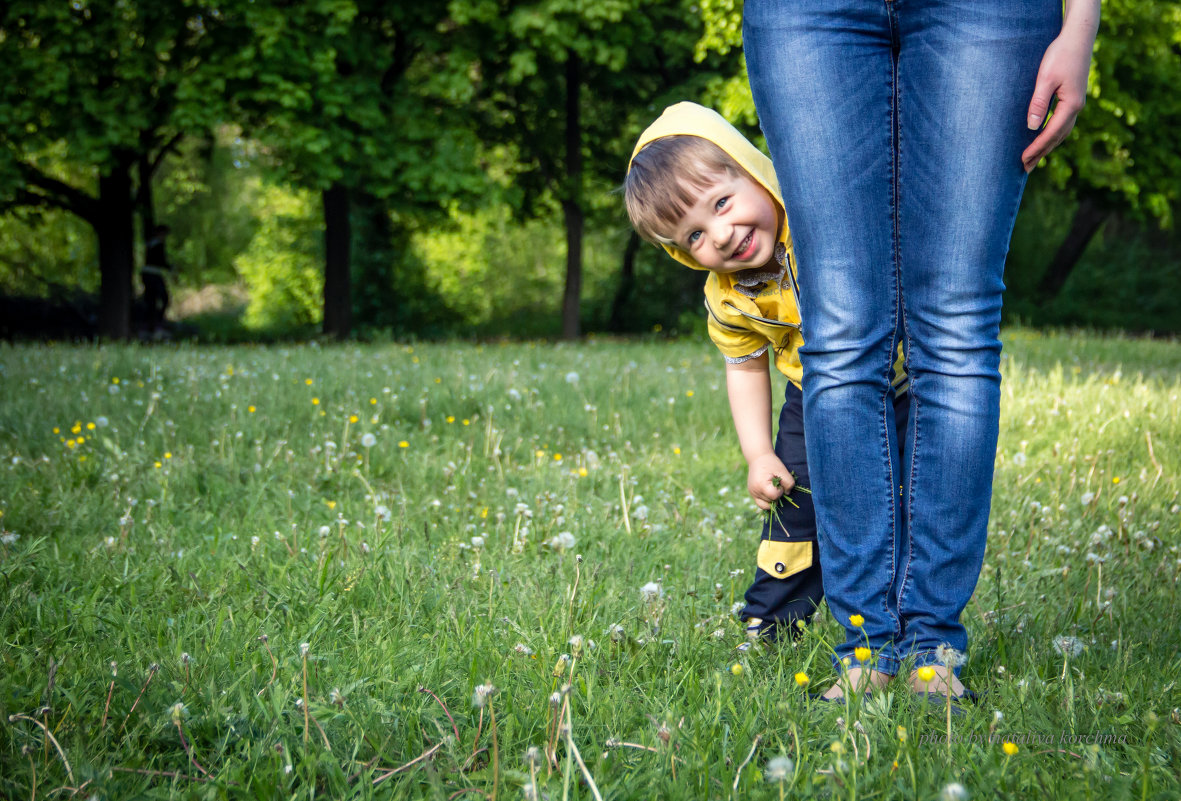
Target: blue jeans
x: 896, y: 128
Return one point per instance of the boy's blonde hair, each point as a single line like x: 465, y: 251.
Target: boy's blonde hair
x: 660, y: 183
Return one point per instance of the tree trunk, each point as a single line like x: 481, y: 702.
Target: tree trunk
x: 114, y: 224
x: 1088, y: 219
x: 572, y: 204
x: 627, y: 283
x: 337, y: 296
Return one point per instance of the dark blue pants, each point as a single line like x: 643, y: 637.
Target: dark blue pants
x: 788, y: 583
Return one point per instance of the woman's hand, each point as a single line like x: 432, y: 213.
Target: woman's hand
x: 1063, y: 74
x: 760, y: 480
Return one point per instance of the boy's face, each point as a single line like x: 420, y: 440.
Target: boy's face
x: 733, y: 226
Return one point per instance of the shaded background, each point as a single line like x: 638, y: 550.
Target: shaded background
x: 433, y: 169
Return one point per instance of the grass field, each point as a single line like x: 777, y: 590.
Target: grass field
x: 293, y: 572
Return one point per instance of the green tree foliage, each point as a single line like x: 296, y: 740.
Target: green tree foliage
x: 359, y: 101
x: 1122, y: 157
x: 281, y: 266
x: 568, y: 84
x: 116, y: 84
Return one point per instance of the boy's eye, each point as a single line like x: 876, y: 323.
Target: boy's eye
x: 693, y: 237
x: 721, y: 202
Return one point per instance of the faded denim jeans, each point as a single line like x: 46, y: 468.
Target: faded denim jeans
x: 896, y: 128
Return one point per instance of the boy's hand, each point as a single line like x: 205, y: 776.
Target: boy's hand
x: 768, y: 480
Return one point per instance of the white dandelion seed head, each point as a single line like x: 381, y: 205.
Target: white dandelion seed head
x: 177, y: 712
x: 368, y: 440
x: 953, y: 792
x: 555, y: 700
x: 571, y: 377
x: 1067, y: 645
x: 304, y: 648
x: 779, y: 768
x: 736, y: 607
x: 563, y: 541
x: 523, y: 649
x: 1019, y: 459
x: 325, y: 531
x: 1086, y: 498
x: 948, y: 656
x: 185, y: 658
x: 481, y: 694
x: 477, y: 542
x: 101, y: 422
x: 615, y: 632
x: 8, y: 538
x: 651, y: 591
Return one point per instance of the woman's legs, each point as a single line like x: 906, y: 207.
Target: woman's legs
x: 896, y: 128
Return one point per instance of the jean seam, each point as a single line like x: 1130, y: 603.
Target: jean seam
x: 894, y: 497
x: 913, y: 380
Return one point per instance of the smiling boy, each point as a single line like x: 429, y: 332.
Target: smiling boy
x: 698, y: 187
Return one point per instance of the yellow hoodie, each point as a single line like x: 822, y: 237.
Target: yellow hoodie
x: 741, y: 325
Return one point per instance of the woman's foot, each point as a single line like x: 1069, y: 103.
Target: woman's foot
x: 941, y: 681
x: 857, y: 680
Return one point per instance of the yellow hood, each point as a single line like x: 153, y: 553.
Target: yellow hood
x: 691, y: 119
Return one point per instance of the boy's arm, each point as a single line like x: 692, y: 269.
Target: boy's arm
x: 749, y: 386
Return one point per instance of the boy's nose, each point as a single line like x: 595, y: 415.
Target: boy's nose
x: 721, y: 235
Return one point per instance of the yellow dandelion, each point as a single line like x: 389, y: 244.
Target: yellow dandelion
x: 736, y: 669
x: 70, y: 444
x: 414, y: 359
x: 315, y: 401
x: 926, y: 673
x: 557, y: 457
x: 437, y: 380
x: 82, y: 458
x: 80, y: 440
x: 689, y: 393
x: 353, y: 418
x: 467, y: 422
x: 862, y: 653
x: 308, y: 381
x: 76, y: 429
x: 90, y: 426
x: 857, y: 620
x: 539, y: 454
x: 1115, y: 479
x: 167, y: 454
x: 484, y: 513
x: 250, y: 409
x: 802, y: 679
x: 115, y: 380
x: 373, y: 401
x: 676, y: 451
x: 330, y: 504
x: 56, y: 430
x: 450, y: 418
x: 158, y: 465
x: 1010, y: 748
x: 582, y: 471
x: 403, y: 444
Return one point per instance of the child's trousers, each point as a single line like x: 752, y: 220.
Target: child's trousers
x: 788, y: 584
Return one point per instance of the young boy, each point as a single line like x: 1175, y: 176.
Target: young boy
x: 696, y: 186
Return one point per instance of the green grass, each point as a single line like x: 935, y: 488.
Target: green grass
x: 137, y: 546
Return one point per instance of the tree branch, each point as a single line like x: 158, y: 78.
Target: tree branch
x: 57, y: 193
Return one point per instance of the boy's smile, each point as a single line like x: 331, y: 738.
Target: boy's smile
x: 733, y: 226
